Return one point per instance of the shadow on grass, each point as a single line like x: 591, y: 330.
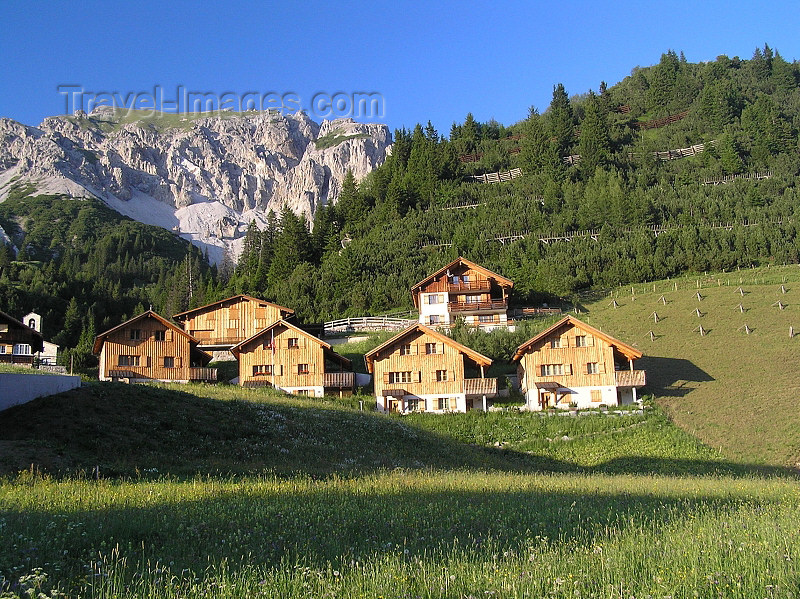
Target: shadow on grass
x: 139, y: 430
x: 672, y: 377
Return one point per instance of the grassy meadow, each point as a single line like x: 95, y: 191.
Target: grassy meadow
x: 214, y: 491
x: 736, y: 392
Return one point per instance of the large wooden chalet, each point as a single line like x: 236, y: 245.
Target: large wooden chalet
x: 18, y: 342
x: 574, y: 364
x: 149, y: 348
x: 421, y: 369
x: 225, y: 323
x: 463, y: 288
x: 287, y: 358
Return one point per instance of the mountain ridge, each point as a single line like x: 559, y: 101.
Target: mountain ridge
x: 205, y: 177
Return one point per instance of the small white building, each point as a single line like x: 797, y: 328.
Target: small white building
x: 49, y: 354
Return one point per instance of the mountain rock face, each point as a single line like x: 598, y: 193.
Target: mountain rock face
x: 204, y: 177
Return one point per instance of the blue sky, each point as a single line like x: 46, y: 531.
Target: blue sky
x: 430, y: 61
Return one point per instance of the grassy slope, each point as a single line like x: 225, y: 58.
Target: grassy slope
x: 735, y: 392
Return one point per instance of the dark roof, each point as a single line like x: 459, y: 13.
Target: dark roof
x: 37, y: 341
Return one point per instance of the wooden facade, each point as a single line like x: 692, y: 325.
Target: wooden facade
x: 463, y: 288
x: 421, y: 369
x: 150, y: 348
x: 18, y: 342
x: 228, y: 322
x: 572, y: 363
x: 287, y: 358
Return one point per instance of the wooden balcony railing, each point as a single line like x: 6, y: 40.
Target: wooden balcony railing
x: 338, y: 380
x: 631, y: 378
x: 202, y: 374
x: 219, y: 341
x: 462, y: 286
x: 477, y: 306
x: 16, y: 359
x: 480, y: 386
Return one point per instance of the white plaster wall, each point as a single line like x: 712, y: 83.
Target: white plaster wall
x: 18, y: 389
x: 315, y: 391
x: 582, y: 396
x: 425, y: 309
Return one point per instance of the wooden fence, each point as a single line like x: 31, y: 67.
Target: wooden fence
x: 498, y: 177
x: 367, y: 323
x: 745, y: 177
x: 662, y: 122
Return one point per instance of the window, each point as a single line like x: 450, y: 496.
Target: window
x: 443, y: 403
x: 169, y: 362
x: 591, y: 368
x: 465, y: 278
x: 414, y: 404
x: 2, y: 349
x: 269, y: 345
x: 435, y: 319
x: 597, y: 395
x: 159, y: 335
x: 128, y: 360
x: 262, y: 369
x: 455, y: 279
x: 441, y: 375
x: 433, y: 299
x: 293, y: 343
x: 472, y: 299
x: 555, y: 343
x: 22, y: 349
x: 430, y: 348
x: 136, y: 334
x: 32, y: 324
x: 306, y: 392
x: 400, y: 377
x: 302, y: 369
x: 552, y: 369
x: 580, y: 341
x: 485, y: 318
x: 405, y: 349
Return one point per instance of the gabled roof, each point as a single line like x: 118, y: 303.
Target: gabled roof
x: 501, y: 280
x: 184, y: 315
x: 37, y: 336
x: 480, y: 359
x: 236, y: 350
x: 100, y: 339
x: 628, y: 351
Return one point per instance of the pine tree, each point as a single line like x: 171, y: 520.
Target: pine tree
x: 594, y: 143
x: 561, y: 120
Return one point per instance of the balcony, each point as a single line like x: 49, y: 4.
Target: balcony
x: 338, y: 380
x: 207, y: 375
x: 26, y: 359
x: 496, y: 304
x: 480, y: 386
x: 463, y: 286
x: 217, y: 341
x: 630, y: 378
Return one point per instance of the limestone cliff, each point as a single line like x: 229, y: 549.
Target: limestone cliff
x: 205, y: 177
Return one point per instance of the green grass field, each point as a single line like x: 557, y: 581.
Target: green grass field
x: 737, y: 392
x: 214, y: 491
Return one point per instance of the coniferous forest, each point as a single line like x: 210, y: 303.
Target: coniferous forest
x: 595, y: 161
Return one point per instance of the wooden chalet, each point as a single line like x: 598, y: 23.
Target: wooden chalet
x: 421, y: 369
x: 18, y: 342
x: 574, y: 364
x: 463, y: 288
x: 225, y: 323
x: 287, y: 358
x: 150, y: 348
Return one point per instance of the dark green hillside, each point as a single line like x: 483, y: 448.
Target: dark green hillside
x: 85, y: 267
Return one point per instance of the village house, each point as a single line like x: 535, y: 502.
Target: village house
x: 287, y: 358
x: 574, y: 364
x: 463, y: 288
x: 149, y: 348
x: 18, y: 342
x: 423, y: 370
x: 49, y: 353
x: 221, y: 325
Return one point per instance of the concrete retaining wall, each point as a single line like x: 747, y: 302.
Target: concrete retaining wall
x: 17, y: 389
